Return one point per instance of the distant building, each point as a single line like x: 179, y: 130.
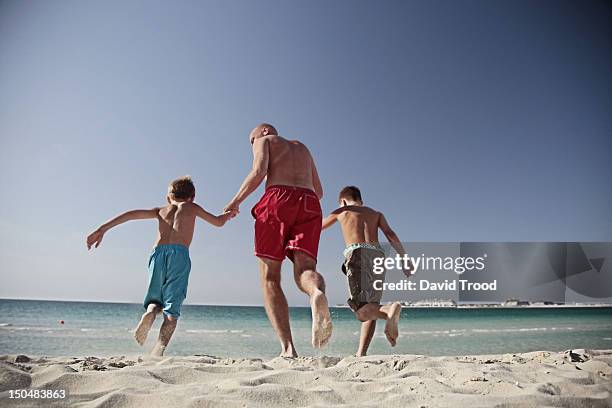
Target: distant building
x: 515, y: 302
x: 434, y: 303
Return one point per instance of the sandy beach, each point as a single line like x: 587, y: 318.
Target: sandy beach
x: 565, y: 379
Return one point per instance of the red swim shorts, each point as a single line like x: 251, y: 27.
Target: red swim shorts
x: 287, y: 219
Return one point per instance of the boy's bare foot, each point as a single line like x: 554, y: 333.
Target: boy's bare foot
x: 321, y: 320
x: 165, y: 334
x: 146, y: 321
x: 158, y: 350
x: 391, y: 329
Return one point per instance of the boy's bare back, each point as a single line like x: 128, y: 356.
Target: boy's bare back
x: 359, y: 224
x: 176, y: 223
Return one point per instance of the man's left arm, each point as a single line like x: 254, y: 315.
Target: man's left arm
x: 261, y: 158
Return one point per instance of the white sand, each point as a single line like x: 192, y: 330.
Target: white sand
x: 509, y: 380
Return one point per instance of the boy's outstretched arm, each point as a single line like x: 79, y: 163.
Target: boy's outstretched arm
x: 95, y: 238
x: 329, y: 221
x: 394, y: 241
x: 216, y: 220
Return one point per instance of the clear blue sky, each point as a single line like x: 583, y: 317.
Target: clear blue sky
x: 460, y: 120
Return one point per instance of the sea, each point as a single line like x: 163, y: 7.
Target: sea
x: 79, y: 329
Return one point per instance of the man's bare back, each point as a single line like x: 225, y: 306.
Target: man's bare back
x: 290, y: 163
x: 280, y: 162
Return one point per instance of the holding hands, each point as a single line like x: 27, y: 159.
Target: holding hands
x: 228, y: 215
x: 232, y: 207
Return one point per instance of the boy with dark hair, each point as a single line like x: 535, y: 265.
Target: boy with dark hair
x: 169, y: 264
x: 360, y: 225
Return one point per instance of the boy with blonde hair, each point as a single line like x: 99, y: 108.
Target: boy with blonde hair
x: 169, y: 264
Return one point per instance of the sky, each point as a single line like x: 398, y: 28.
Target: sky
x: 460, y: 121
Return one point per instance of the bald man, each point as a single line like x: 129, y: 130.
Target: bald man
x: 287, y: 224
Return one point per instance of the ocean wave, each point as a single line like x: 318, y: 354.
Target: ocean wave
x: 5, y: 324
x: 212, y: 331
x: 435, y: 332
x: 520, y: 329
x: 460, y: 332
x: 27, y: 328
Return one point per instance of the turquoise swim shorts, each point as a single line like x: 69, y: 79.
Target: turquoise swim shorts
x: 169, y: 267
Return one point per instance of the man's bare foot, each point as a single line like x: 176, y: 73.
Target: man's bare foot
x: 158, y: 350
x: 321, y: 320
x: 288, y: 350
x: 146, y: 321
x: 391, y: 329
x: 289, y: 354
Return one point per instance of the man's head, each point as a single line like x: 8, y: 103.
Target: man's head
x: 265, y: 129
x: 181, y: 189
x: 350, y: 195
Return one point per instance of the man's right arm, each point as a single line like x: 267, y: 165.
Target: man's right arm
x: 261, y: 158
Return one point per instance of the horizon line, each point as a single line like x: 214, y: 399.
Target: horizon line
x: 120, y: 302
x: 251, y: 305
